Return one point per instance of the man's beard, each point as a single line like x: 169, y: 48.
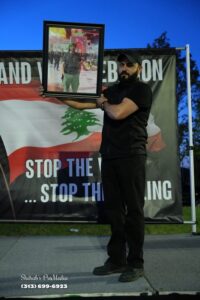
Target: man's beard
x: 124, y: 77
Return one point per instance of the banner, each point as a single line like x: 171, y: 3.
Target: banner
x: 50, y: 168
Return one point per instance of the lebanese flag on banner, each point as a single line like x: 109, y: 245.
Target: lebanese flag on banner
x: 31, y: 128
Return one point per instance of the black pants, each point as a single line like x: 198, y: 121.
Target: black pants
x: 124, y: 186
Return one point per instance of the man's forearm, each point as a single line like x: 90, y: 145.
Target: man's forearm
x: 120, y: 111
x: 79, y: 104
x: 112, y: 110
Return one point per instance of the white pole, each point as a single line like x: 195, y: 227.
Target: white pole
x: 191, y: 146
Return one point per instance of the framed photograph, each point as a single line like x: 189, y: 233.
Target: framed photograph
x: 72, y: 59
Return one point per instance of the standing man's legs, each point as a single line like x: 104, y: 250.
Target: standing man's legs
x: 124, y: 187
x: 67, y: 82
x: 75, y: 83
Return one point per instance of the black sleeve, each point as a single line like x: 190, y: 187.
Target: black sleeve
x: 109, y: 92
x: 141, y: 94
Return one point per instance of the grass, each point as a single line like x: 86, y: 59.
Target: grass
x: 23, y: 229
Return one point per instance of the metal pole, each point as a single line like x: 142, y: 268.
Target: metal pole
x: 191, y: 146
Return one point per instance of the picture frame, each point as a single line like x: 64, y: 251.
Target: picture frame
x: 72, y: 59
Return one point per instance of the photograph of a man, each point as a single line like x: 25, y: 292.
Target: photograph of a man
x: 71, y: 68
x: 73, y: 59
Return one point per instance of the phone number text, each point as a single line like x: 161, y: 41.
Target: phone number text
x: 44, y: 286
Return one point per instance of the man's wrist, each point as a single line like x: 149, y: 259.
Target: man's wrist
x: 102, y: 106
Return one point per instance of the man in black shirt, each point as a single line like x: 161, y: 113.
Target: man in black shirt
x: 126, y: 108
x: 71, y: 70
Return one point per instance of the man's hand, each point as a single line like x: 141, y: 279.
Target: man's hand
x: 101, y: 101
x: 41, y: 91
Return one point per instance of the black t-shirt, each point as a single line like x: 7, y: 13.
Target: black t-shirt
x: 127, y: 137
x: 72, y: 63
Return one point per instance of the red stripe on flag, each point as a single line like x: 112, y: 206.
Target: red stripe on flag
x: 28, y: 92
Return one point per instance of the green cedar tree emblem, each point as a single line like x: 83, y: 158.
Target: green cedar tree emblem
x: 78, y: 121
